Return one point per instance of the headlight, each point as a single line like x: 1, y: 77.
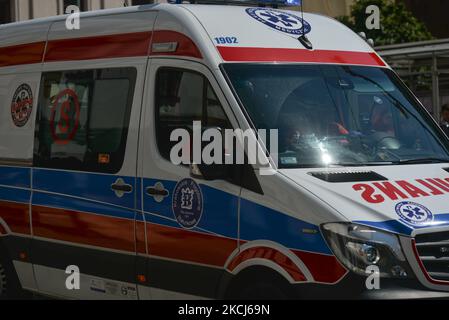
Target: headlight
x: 359, y: 247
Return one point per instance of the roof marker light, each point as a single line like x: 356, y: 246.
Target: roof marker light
x: 164, y: 47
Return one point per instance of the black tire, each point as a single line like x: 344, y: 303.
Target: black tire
x: 2, y: 282
x: 260, y: 283
x: 10, y: 288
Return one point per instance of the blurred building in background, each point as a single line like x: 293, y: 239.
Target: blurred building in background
x: 332, y: 8
x: 19, y: 10
x: 433, y: 13
x: 424, y: 66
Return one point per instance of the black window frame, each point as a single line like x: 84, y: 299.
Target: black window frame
x: 141, y: 2
x: 240, y: 175
x: 204, y: 109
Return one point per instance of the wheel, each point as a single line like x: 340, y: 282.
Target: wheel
x: 10, y: 288
x: 260, y: 283
x: 2, y: 282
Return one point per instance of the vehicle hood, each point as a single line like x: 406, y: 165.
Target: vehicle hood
x: 400, y: 199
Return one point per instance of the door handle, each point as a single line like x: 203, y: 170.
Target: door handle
x: 158, y: 192
x: 152, y: 191
x: 121, y: 188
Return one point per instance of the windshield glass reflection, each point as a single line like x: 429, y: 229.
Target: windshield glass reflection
x: 337, y: 115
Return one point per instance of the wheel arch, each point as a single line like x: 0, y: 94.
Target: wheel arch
x: 266, y: 256
x: 271, y: 255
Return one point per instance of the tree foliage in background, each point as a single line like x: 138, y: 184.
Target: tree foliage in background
x: 397, y: 23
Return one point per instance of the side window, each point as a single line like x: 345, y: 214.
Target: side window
x: 183, y: 97
x: 83, y: 119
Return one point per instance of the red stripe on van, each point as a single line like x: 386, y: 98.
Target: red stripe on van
x: 16, y: 216
x: 84, y: 228
x: 118, y: 234
x: 100, y: 47
x: 324, y: 268
x: 240, y: 54
x: 140, y: 237
x: 186, y: 46
x: 270, y: 254
x: 189, y: 246
x: 22, y: 54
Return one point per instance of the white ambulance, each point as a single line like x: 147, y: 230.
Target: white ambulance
x: 358, y: 195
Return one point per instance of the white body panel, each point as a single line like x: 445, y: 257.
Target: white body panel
x: 252, y: 33
x: 350, y: 202
x: 17, y: 142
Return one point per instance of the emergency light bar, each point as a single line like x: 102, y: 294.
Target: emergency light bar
x: 274, y: 3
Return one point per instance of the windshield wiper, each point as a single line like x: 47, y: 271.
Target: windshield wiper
x: 386, y: 163
x: 394, y: 100
x: 423, y: 160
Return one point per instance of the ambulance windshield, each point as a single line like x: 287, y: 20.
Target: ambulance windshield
x: 328, y: 115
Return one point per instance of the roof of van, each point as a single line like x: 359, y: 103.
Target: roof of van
x: 265, y: 34
x: 238, y: 33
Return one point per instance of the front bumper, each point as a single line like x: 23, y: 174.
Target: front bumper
x: 352, y: 287
x: 396, y: 292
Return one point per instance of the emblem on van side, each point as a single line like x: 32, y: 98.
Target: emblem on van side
x: 22, y: 105
x: 413, y: 213
x: 281, y: 21
x: 187, y: 203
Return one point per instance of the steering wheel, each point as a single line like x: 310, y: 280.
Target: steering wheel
x: 385, y: 145
x: 343, y: 153
x: 388, y: 143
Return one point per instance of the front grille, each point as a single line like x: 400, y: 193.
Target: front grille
x: 433, y: 250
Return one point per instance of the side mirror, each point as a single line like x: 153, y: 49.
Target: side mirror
x: 212, y: 171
